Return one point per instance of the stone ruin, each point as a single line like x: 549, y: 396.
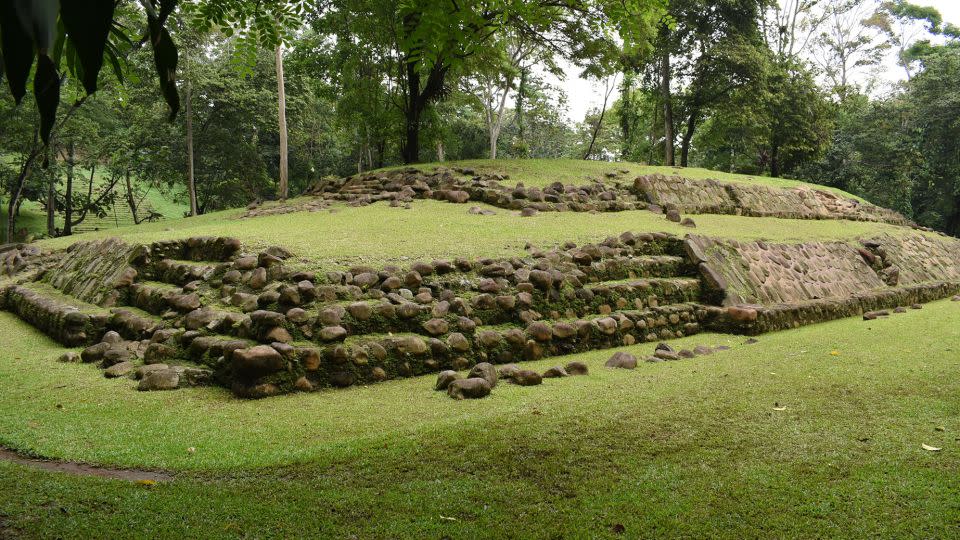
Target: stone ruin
x: 211, y: 311
x: 614, y: 193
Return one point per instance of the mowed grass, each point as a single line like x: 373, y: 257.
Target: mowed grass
x: 695, y: 448
x: 379, y: 233
x: 542, y: 172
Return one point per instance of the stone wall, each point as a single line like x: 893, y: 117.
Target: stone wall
x: 763, y: 273
x: 916, y: 258
x: 769, y: 287
x: 713, y: 197
x: 61, y: 317
x: 95, y: 272
x: 262, y: 323
x: 757, y: 319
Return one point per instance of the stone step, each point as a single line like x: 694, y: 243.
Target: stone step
x: 179, y: 272
x: 639, y: 293
x: 159, y: 297
x: 135, y: 324
x: 62, y: 317
x: 376, y: 357
x: 620, y: 268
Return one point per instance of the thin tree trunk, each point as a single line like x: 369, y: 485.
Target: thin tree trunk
x: 191, y: 184
x: 651, y: 156
x: 441, y: 153
x: 667, y: 98
x: 68, y: 196
x: 603, y: 111
x: 495, y: 117
x: 284, y: 190
x: 16, y: 190
x: 131, y: 201
x: 687, y: 137
x: 51, y: 205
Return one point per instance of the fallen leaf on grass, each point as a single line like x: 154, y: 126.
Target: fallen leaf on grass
x: 146, y: 482
x: 448, y: 518
x: 930, y: 448
x: 779, y: 408
x: 834, y: 353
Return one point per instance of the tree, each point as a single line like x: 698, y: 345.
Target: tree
x: 704, y: 50
x: 904, y: 24
x: 847, y: 43
x: 433, y: 40
x: 284, y: 189
x: 610, y: 84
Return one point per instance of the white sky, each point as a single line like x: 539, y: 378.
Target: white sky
x: 583, y: 94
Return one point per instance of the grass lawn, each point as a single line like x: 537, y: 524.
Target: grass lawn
x: 542, y: 172
x: 379, y: 233
x: 692, y: 448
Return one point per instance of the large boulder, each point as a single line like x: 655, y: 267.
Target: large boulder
x: 485, y: 371
x: 622, y: 360
x: 577, y: 368
x: 474, y: 388
x: 167, y: 379
x: 555, y: 372
x: 118, y: 370
x: 257, y: 361
x: 526, y: 377
x: 445, y: 378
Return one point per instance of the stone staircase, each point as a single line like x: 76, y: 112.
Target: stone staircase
x: 263, y: 324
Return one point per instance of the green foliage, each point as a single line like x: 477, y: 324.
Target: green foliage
x: 79, y: 35
x: 902, y: 151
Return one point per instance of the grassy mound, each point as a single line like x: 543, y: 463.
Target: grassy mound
x: 691, y: 448
x: 811, y: 432
x: 380, y: 233
x: 542, y: 172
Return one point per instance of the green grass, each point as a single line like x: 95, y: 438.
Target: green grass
x: 691, y: 448
x: 380, y: 233
x: 541, y: 172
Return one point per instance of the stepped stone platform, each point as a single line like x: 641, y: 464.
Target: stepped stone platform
x: 207, y: 311
x: 657, y: 193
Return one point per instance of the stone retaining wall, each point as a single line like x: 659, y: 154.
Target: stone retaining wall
x: 61, y: 317
x: 756, y: 319
x: 714, y: 197
x: 95, y: 272
x: 260, y: 324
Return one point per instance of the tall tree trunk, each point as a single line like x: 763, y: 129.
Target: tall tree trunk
x: 667, y: 98
x: 131, y: 201
x: 521, y: 94
x: 441, y: 152
x: 191, y: 184
x: 51, y: 204
x: 687, y: 137
x: 284, y: 190
x: 603, y: 111
x: 16, y: 190
x: 68, y: 195
x: 411, y: 147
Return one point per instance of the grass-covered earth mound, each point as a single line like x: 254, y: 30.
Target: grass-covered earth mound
x: 379, y: 281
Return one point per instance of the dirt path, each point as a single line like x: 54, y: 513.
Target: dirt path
x: 81, y: 469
